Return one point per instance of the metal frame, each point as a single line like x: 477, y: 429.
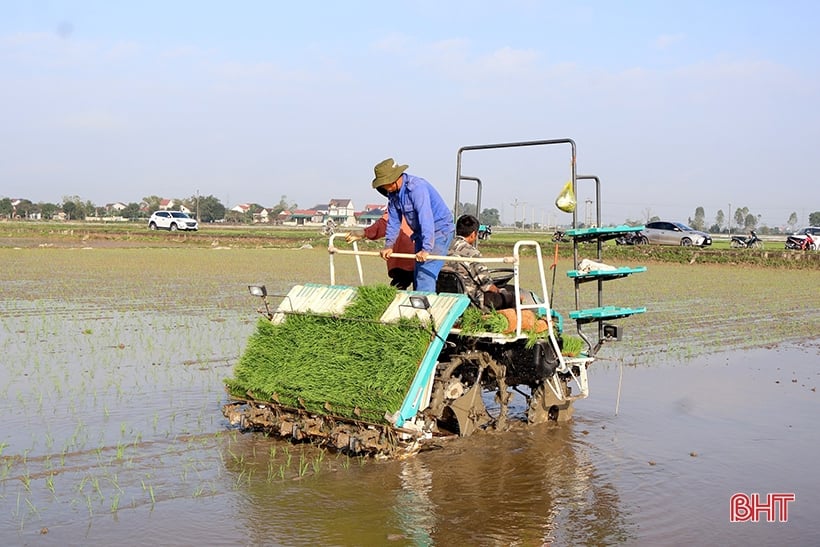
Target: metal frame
x: 497, y: 146
x: 599, y: 255
x: 478, y: 196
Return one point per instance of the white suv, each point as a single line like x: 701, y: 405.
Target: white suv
x: 171, y: 220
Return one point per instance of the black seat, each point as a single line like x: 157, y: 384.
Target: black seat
x: 449, y: 281
x: 501, y: 276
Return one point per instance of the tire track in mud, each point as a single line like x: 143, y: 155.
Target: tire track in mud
x: 110, y: 453
x: 114, y: 478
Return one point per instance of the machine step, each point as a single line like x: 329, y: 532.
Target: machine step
x: 606, y: 312
x: 604, y: 274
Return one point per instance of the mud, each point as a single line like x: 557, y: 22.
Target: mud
x: 111, y: 393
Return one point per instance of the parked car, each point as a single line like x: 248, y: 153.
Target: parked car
x: 795, y: 241
x: 171, y: 220
x: 662, y: 232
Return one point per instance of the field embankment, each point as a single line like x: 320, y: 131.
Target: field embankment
x: 85, y: 234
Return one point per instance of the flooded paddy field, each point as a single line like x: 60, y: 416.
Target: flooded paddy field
x: 111, y: 389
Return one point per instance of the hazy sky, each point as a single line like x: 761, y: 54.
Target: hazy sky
x: 674, y: 105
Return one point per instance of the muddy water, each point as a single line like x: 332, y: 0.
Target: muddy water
x: 110, y: 392
x: 661, y: 472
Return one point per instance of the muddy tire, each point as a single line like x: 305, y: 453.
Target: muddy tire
x: 544, y: 406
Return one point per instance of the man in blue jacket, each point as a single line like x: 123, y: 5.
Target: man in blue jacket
x: 422, y: 207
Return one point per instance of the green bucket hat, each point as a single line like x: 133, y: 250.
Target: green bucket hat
x: 387, y: 172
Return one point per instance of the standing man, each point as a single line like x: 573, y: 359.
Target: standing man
x: 415, y: 200
x: 399, y: 270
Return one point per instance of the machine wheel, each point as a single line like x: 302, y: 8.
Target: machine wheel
x: 544, y: 406
x: 456, y: 401
x: 173, y: 226
x: 643, y: 241
x: 735, y: 244
x: 686, y: 242
x: 757, y: 245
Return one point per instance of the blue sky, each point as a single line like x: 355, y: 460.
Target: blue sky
x: 674, y: 105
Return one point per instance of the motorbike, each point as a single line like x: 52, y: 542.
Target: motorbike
x: 632, y: 238
x: 751, y: 242
x: 485, y: 231
x: 805, y: 243
x: 559, y: 237
x: 329, y: 228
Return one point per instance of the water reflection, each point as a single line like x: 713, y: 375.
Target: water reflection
x: 527, y: 486
x: 414, y: 509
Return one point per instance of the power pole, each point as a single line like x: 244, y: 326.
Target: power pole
x: 515, y: 205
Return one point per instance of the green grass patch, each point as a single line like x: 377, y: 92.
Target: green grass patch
x: 572, y: 345
x: 473, y: 321
x: 351, y: 366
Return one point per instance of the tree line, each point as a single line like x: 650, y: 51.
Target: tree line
x: 210, y: 209
x: 742, y: 220
x: 206, y: 208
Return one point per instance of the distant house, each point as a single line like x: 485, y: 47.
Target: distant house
x: 166, y: 204
x: 302, y: 217
x: 258, y: 216
x: 282, y: 217
x: 371, y: 213
x: 111, y: 212
x: 342, y: 211
x: 368, y: 217
x: 117, y: 206
x: 262, y: 216
x: 321, y: 208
